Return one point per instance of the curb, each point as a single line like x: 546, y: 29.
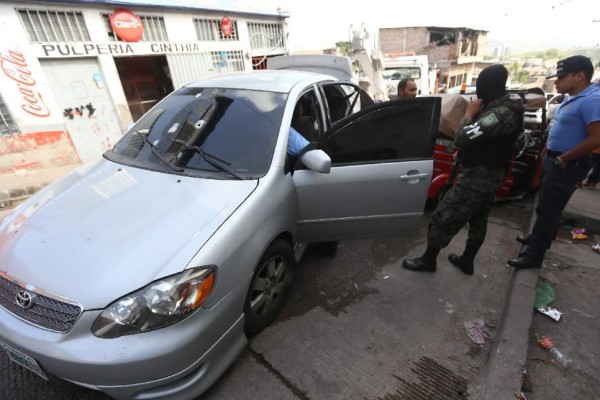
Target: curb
x: 12, y: 197
x: 503, y: 375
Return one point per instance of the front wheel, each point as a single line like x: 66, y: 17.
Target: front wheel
x: 269, y: 287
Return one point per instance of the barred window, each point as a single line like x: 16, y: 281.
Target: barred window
x: 265, y: 36
x: 7, y: 123
x: 227, y: 61
x: 154, y: 29
x: 209, y: 30
x: 53, y: 26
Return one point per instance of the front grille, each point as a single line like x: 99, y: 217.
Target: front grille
x: 46, y: 312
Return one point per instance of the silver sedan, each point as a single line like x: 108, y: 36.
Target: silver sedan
x: 141, y: 273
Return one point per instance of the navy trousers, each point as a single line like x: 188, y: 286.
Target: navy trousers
x: 555, y: 191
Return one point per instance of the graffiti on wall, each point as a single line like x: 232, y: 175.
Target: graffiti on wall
x: 14, y: 65
x: 80, y: 111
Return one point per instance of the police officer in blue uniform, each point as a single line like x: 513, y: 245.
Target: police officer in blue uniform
x: 573, y: 136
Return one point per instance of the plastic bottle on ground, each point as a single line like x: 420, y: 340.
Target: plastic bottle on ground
x: 547, y: 344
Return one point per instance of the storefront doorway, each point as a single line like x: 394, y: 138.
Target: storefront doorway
x: 146, y: 80
x: 88, y: 110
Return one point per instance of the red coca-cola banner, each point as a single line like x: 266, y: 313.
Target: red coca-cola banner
x: 14, y: 65
x: 127, y: 25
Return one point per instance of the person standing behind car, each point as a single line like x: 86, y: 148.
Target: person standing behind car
x: 485, y: 139
x: 573, y: 136
x: 407, y: 89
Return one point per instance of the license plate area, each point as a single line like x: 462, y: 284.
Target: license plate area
x: 24, y: 360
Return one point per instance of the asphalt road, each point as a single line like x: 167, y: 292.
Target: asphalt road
x: 358, y: 326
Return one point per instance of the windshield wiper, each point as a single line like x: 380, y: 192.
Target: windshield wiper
x: 158, y: 154
x: 213, y: 160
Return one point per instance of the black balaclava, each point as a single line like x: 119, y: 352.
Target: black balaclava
x: 491, y: 83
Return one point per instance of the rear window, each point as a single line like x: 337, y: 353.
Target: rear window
x: 238, y: 127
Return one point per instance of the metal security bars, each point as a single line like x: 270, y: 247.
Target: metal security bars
x: 53, y: 26
x: 227, y: 61
x: 7, y: 124
x: 265, y: 36
x: 154, y: 29
x: 209, y: 30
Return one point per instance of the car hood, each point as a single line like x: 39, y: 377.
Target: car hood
x: 107, y: 229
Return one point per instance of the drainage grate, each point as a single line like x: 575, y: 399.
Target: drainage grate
x: 435, y: 382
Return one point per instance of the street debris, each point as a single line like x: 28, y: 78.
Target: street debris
x: 525, y: 381
x: 551, y: 312
x: 596, y: 247
x: 547, y: 344
x: 544, y: 295
x: 520, y: 395
x: 477, y: 331
x: 386, y: 277
x: 579, y: 233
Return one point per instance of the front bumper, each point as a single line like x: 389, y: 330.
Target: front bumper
x: 180, y: 361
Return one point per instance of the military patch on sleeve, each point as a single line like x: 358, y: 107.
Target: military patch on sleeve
x: 489, y: 120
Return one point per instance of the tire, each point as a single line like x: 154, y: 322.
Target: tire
x: 269, y: 287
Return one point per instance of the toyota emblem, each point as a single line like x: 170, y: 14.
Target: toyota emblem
x: 25, y: 299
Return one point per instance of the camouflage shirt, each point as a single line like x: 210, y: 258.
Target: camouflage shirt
x: 485, y: 144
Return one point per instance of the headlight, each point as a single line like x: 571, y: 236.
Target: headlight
x: 160, y: 304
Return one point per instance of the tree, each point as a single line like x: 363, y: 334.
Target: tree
x: 552, y: 53
x: 523, y: 76
x: 344, y: 47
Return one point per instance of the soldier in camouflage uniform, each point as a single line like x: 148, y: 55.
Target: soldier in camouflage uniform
x: 485, y: 139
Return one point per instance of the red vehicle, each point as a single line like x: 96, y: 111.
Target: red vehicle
x: 525, y: 167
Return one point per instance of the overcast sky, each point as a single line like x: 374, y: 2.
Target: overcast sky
x: 518, y: 24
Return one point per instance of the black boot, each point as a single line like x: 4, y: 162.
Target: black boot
x: 466, y: 261
x: 425, y: 263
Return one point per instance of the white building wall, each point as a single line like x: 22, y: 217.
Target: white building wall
x: 44, y: 138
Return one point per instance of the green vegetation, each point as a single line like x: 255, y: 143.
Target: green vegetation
x: 344, y: 47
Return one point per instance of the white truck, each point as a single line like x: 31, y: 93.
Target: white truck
x: 414, y: 67
x: 358, y: 68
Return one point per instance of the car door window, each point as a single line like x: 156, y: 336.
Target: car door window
x: 344, y: 99
x: 404, y: 130
x: 307, y: 118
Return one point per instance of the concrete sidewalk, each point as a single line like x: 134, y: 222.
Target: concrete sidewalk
x: 19, y: 185
x: 509, y: 352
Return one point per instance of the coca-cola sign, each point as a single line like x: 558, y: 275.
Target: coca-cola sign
x: 127, y: 25
x: 226, y: 26
x: 14, y: 65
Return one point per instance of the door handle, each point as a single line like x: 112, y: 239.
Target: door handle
x: 413, y: 177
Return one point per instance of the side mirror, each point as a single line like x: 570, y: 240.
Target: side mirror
x: 316, y: 160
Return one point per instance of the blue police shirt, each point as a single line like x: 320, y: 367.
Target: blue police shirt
x: 572, y: 118
x: 296, y: 142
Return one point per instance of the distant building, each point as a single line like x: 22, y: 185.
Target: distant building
x: 452, y: 52
x: 76, y: 74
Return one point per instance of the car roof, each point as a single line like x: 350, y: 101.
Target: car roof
x: 267, y: 80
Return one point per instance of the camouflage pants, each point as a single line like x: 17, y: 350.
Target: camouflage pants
x: 461, y: 205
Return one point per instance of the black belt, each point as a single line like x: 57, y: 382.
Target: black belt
x: 554, y: 154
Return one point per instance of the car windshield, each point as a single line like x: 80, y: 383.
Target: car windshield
x: 213, y: 132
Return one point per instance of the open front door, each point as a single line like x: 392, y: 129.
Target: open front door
x: 381, y: 170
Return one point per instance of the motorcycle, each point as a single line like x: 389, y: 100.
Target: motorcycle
x: 523, y: 173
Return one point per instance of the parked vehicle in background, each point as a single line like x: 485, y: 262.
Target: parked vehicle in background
x: 402, y: 67
x: 141, y: 273
x: 358, y: 68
